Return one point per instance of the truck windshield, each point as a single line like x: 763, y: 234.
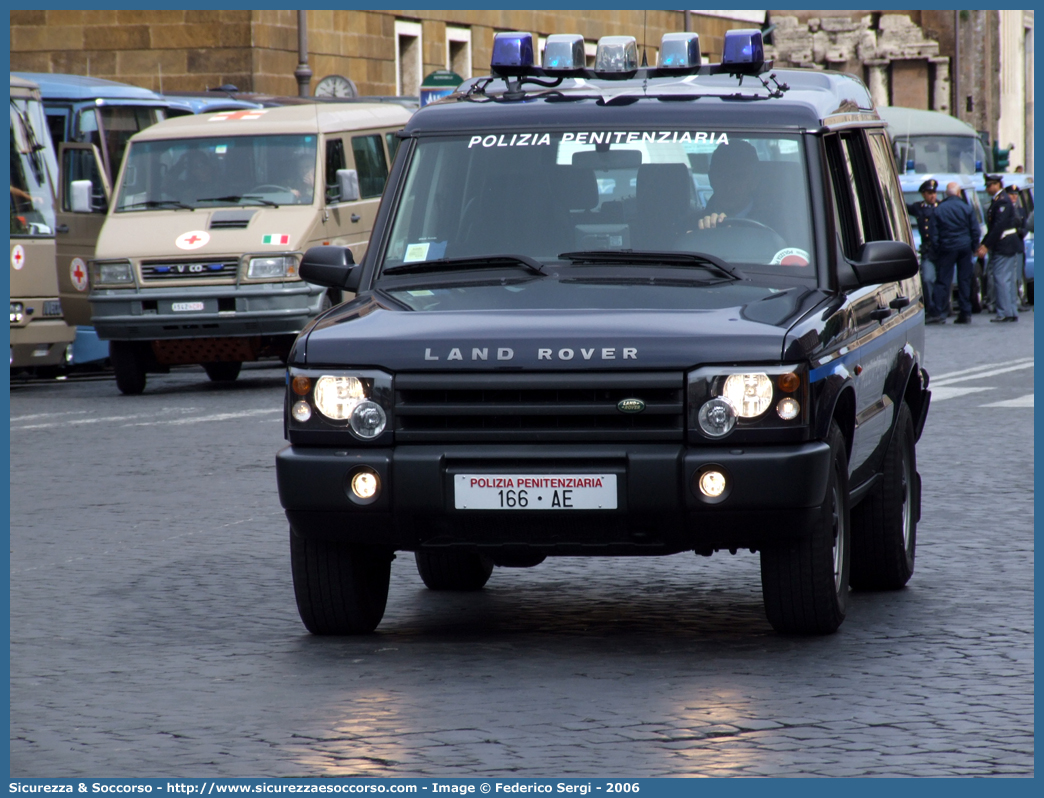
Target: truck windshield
x: 32, y: 171
x: 955, y: 154
x: 738, y: 196
x: 230, y: 170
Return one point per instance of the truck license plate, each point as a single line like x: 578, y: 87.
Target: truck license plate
x: 183, y: 306
x: 534, y: 491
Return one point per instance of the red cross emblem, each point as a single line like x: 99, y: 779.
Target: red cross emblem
x: 253, y: 113
x: 193, y: 240
x: 19, y: 256
x: 78, y: 272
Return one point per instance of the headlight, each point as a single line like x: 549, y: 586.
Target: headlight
x: 750, y: 394
x: 350, y: 406
x: 17, y: 312
x: 337, y: 397
x: 726, y: 402
x: 267, y: 268
x: 115, y: 272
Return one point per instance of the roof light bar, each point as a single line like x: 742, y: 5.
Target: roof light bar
x: 513, y: 53
x: 616, y: 54
x: 679, y: 51
x: 744, y: 51
x: 564, y: 51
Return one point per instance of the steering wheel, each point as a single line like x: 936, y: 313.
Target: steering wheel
x: 744, y: 240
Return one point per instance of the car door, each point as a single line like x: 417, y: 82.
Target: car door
x: 349, y: 223
x: 77, y: 231
x: 871, y: 315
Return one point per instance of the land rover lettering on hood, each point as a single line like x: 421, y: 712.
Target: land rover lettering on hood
x: 617, y: 311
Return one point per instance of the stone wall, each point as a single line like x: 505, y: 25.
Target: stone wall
x: 890, y: 52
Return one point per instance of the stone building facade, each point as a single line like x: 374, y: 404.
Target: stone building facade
x: 382, y: 52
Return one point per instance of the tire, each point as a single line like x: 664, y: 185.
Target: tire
x: 223, y: 372
x: 884, y: 525
x: 341, y: 588
x: 453, y: 570
x: 128, y: 363
x: 804, y: 583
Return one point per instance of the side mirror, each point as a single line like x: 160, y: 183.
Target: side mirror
x: 885, y: 262
x: 348, y: 184
x: 331, y: 266
x: 80, y: 193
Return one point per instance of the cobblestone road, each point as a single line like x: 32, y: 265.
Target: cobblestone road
x: 154, y: 631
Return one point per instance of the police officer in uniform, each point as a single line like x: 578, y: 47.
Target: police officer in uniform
x: 924, y: 212
x: 1004, y: 244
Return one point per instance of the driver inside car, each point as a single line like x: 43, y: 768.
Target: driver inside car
x: 733, y: 177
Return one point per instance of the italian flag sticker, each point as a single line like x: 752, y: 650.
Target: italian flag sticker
x: 275, y: 238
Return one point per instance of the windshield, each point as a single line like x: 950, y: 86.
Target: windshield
x: 32, y: 171
x: 955, y: 154
x: 230, y: 170
x: 737, y: 196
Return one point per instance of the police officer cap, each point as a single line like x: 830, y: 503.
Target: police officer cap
x: 929, y: 185
x: 1012, y: 189
x: 993, y: 179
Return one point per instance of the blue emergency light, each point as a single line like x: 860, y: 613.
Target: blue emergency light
x: 679, y: 51
x: 513, y: 53
x: 743, y: 51
x: 616, y: 54
x: 564, y: 51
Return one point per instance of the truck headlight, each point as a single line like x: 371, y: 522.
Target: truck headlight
x: 724, y: 401
x: 17, y: 312
x: 111, y: 272
x: 356, y: 404
x: 268, y: 268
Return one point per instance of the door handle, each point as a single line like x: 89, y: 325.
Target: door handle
x: 62, y: 228
x: 880, y: 314
x: 899, y: 302
x: 355, y: 217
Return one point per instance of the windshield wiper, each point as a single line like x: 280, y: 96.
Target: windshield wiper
x: 238, y: 198
x: 452, y: 264
x: 157, y: 204
x: 630, y: 256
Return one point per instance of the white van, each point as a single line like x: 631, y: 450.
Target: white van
x: 197, y: 260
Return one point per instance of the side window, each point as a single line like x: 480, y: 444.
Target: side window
x: 82, y: 165
x: 334, y: 161
x: 850, y: 217
x: 393, y: 145
x: 371, y: 165
x: 891, y: 194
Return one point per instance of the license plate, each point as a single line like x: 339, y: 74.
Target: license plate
x: 534, y: 491
x: 186, y: 306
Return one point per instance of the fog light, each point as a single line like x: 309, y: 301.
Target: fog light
x: 301, y: 411
x: 712, y: 484
x: 365, y: 485
x: 717, y: 418
x: 788, y: 409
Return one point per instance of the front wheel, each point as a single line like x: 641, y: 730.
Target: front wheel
x: 128, y: 363
x: 884, y: 525
x: 223, y: 372
x: 341, y: 588
x: 453, y: 570
x: 805, y: 583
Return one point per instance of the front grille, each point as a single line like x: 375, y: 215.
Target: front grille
x: 537, y: 407
x: 187, y: 269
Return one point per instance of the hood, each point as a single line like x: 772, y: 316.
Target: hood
x: 366, y: 333
x: 148, y: 234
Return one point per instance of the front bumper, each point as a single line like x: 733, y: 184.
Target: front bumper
x: 777, y: 492
x: 147, y: 314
